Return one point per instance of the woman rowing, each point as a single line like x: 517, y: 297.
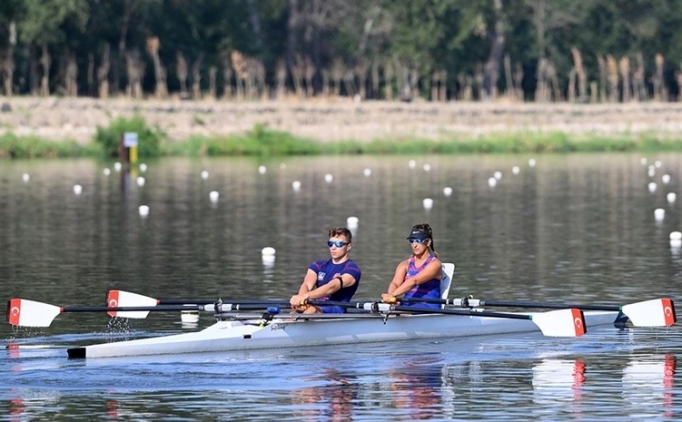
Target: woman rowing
x: 335, y: 279
x: 419, y: 276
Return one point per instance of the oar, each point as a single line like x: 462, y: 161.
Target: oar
x: 122, y: 298
x: 29, y: 313
x: 648, y: 313
x: 559, y: 323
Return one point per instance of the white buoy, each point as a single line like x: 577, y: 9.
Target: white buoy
x: 447, y: 191
x: 658, y: 164
x: 143, y: 210
x: 296, y: 185
x: 428, y: 203
x: 189, y: 317
x: 262, y: 169
x: 652, y: 171
x: 268, y: 256
x: 652, y: 187
x: 352, y: 222
x: 671, y: 196
x: 659, y: 214
x: 268, y: 260
x: 516, y: 170
x: 412, y: 164
x: 214, y: 195
x: 492, y: 182
x: 143, y: 167
x: 328, y: 178
x: 140, y: 181
x: 204, y: 174
x: 497, y: 175
x: 665, y: 179
x: 531, y: 162
x: 106, y: 172
x: 77, y: 189
x: 643, y: 161
x: 367, y: 172
x: 26, y: 177
x: 676, y: 239
x: 427, y: 167
x: 117, y: 166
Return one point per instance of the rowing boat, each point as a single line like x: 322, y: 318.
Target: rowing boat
x: 319, y: 331
x: 365, y: 322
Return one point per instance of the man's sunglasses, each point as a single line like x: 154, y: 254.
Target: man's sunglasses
x: 337, y: 243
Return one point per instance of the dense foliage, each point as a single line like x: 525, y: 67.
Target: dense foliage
x: 149, y: 138
x: 543, y: 50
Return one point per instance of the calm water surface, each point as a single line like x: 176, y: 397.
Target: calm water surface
x: 577, y: 228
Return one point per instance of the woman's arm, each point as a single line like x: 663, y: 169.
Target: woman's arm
x: 433, y: 270
x: 398, y: 280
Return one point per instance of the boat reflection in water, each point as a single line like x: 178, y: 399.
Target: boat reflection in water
x: 559, y: 382
x: 648, y: 385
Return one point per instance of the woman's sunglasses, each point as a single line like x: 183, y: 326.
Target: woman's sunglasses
x: 336, y: 243
x: 415, y: 240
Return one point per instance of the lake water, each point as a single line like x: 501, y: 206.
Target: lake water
x: 572, y: 228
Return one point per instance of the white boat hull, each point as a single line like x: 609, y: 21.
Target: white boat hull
x: 235, y: 335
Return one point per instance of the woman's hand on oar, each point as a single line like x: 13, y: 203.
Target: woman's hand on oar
x: 648, y: 313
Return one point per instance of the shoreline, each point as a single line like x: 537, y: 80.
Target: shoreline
x: 77, y: 119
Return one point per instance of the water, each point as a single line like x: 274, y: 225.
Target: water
x: 576, y: 228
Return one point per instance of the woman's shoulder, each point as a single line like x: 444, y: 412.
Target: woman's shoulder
x: 435, y: 259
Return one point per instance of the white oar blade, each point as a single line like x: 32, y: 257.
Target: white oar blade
x: 651, y: 313
x: 29, y: 313
x: 561, y: 323
x: 120, y: 298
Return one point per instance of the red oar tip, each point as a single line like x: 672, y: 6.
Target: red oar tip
x: 578, y: 322
x: 13, y: 311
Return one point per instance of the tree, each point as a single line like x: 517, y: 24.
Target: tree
x: 44, y: 26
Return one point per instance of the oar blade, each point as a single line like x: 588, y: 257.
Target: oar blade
x: 120, y: 299
x: 651, y: 313
x: 561, y: 323
x: 29, y: 313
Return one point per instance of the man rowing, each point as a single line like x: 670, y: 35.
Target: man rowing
x: 335, y: 279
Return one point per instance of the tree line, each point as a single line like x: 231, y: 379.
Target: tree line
x: 437, y: 50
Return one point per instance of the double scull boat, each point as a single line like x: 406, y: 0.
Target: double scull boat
x: 364, y: 323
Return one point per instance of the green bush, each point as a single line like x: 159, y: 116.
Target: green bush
x: 12, y: 146
x: 259, y: 141
x: 149, y: 139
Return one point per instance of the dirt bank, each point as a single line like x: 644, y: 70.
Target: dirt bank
x: 66, y: 118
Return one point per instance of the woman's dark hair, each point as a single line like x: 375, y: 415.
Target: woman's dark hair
x: 424, y: 227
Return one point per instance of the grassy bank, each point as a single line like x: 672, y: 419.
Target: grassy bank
x: 261, y: 141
